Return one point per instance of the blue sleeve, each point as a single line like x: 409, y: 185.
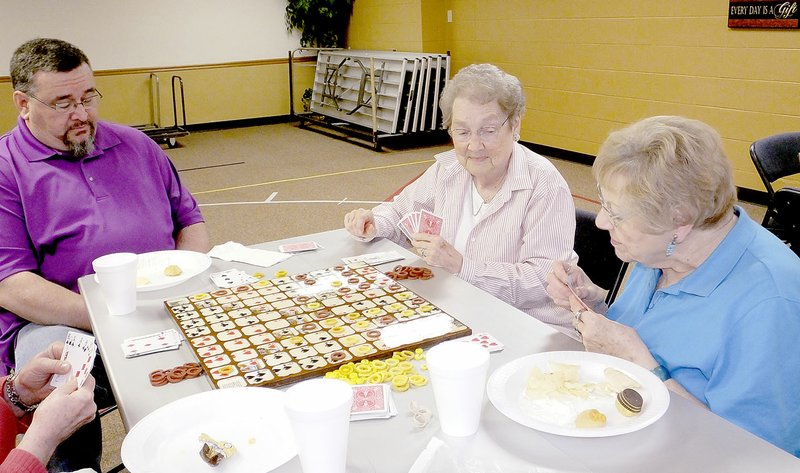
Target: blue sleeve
x: 755, y: 383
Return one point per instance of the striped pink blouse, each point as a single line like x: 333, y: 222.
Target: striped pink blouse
x: 529, y: 224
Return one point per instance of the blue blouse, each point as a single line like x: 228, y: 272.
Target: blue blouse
x: 729, y: 331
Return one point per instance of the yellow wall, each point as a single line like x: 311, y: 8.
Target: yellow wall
x: 213, y: 93
x: 8, y: 113
x: 386, y: 25
x: 588, y: 67
x: 591, y: 66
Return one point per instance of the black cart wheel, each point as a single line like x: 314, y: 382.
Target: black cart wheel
x: 172, y: 142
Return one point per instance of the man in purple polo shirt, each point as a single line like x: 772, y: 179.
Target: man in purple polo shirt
x: 73, y: 188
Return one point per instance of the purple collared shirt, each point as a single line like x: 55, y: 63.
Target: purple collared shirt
x: 58, y: 213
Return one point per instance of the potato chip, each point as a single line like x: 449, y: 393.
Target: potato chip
x: 562, y: 381
x: 616, y: 381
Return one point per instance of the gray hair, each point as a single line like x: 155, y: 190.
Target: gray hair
x: 43, y: 55
x: 484, y: 83
x: 670, y: 171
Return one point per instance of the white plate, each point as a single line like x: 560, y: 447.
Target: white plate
x: 506, y: 388
x: 252, y: 419
x: 151, y: 268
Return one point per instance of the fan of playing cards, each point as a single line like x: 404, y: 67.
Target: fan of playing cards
x: 79, y: 352
x: 420, y: 222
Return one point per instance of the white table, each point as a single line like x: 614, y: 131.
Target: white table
x: 687, y: 438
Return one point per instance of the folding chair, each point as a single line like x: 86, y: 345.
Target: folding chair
x: 775, y: 157
x: 596, y: 254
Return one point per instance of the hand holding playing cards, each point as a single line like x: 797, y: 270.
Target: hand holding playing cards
x: 436, y: 251
x: 33, y: 379
x: 59, y: 415
x: 361, y: 224
x: 567, y: 280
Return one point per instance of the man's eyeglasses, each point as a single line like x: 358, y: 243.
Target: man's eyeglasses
x: 69, y: 106
x: 487, y: 134
x: 614, y: 218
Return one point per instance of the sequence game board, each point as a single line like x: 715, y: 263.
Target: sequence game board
x: 278, y: 331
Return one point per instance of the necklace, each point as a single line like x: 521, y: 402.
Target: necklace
x: 477, y: 202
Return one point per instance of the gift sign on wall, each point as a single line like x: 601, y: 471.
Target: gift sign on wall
x: 763, y: 14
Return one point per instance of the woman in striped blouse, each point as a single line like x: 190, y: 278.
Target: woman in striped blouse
x: 507, y: 214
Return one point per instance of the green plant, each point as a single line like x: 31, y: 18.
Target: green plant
x: 322, y: 23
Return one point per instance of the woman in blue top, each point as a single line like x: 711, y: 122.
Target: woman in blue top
x: 713, y: 304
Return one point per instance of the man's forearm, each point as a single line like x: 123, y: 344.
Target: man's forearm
x: 40, y: 301
x: 194, y: 238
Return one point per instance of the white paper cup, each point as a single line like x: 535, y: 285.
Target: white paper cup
x: 458, y: 375
x: 116, y: 274
x: 319, y: 412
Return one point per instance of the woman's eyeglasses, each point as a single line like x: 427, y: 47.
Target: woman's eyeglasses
x: 486, y: 134
x: 614, y: 218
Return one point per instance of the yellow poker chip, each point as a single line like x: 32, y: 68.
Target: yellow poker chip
x: 379, y: 365
x: 406, y: 366
x: 418, y: 380
x: 400, y: 383
x: 281, y: 273
x: 363, y: 369
x: 392, y: 362
x: 375, y: 378
x: 408, y: 354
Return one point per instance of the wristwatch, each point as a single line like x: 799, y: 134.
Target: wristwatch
x: 661, y: 372
x: 13, y: 397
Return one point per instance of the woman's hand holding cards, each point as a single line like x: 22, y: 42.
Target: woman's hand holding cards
x: 59, y: 415
x: 436, y: 251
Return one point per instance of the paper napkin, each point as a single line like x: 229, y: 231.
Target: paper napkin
x: 232, y: 251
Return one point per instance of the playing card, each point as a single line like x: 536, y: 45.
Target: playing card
x: 232, y: 278
x: 374, y: 259
x: 407, y: 225
x: 152, y: 343
x: 572, y: 290
x: 430, y: 223
x: 79, y: 351
x: 485, y: 340
x: 372, y: 401
x: 369, y: 398
x: 299, y: 247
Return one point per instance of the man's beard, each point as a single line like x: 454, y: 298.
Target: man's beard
x: 80, y: 149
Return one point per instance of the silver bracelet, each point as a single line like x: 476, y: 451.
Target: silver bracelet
x: 13, y: 396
